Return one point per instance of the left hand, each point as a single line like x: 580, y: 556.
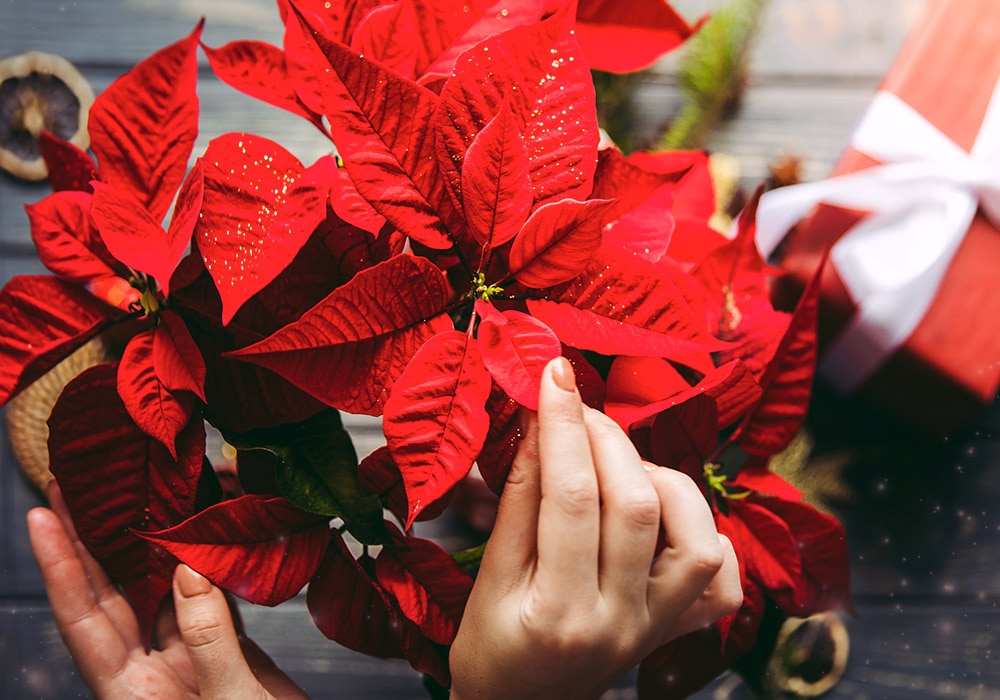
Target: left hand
x: 197, y: 654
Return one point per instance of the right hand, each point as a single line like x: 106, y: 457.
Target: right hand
x: 569, y: 596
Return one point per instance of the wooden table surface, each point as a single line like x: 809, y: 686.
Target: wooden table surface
x: 923, y: 520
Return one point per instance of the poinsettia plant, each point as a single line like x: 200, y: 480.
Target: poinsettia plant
x: 466, y: 231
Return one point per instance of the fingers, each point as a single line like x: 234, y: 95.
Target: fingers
x: 92, y: 638
x: 512, y: 546
x: 693, y: 555
x: 723, y: 596
x: 107, y: 595
x: 208, y: 634
x: 569, y: 514
x: 630, y: 512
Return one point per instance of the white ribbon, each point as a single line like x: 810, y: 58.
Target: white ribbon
x: 921, y: 203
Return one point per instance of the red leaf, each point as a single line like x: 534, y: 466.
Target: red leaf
x: 787, y: 381
x: 502, y: 439
x: 388, y: 34
x: 262, y: 549
x: 349, y: 349
x: 69, y: 166
x: 731, y: 388
x: 621, y: 305
x: 336, y: 21
x: 515, y: 348
x: 351, y: 608
x: 157, y: 411
x: 428, y: 585
x: 258, y: 69
x: 541, y: 70
x: 825, y: 561
x: 589, y: 382
x: 42, y: 320
x: 176, y: 359
x: 379, y: 474
x: 685, y: 435
x: 622, y: 37
x: 67, y: 240
x: 496, y: 183
x: 260, y: 207
x: 435, y: 419
x: 116, y: 479
x: 350, y: 206
x: 143, y: 127
x: 558, y: 240
x: 135, y: 238
x: 635, y: 383
x: 372, y: 113
x: 765, y: 544
x: 643, y: 220
x: 628, y: 182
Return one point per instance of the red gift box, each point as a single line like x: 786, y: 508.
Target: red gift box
x: 939, y: 374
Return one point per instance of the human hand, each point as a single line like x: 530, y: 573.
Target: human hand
x: 198, y: 652
x: 569, y: 596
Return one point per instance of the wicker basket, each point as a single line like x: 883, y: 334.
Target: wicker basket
x: 28, y: 412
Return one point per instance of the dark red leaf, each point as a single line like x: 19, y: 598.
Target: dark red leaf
x: 767, y: 548
x: 262, y: 549
x: 115, y: 479
x: 825, y: 559
x: 372, y: 113
x: 67, y: 240
x: 69, y: 166
x: 787, y: 381
x: 684, y: 436
x: 589, y: 382
x: 428, y: 585
x: 502, y: 439
x: 143, y: 127
x: 624, y: 37
x: 558, y: 240
x: 540, y: 69
x: 349, y: 349
x: 260, y: 207
x: 156, y: 410
x: 435, y: 419
x: 42, y: 320
x: 379, y: 474
x: 351, y: 608
x: 515, y: 349
x: 176, y: 358
x: 258, y: 69
x: 496, y: 183
x: 620, y: 304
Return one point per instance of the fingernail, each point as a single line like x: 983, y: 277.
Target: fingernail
x: 562, y: 374
x: 648, y: 466
x: 190, y: 582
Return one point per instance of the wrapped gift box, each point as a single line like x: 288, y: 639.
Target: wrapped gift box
x: 935, y: 376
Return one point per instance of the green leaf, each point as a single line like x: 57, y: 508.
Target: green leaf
x: 317, y: 470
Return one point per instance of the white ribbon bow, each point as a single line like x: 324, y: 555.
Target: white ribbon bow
x: 922, y: 202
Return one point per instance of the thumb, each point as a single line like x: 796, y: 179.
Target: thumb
x: 206, y: 627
